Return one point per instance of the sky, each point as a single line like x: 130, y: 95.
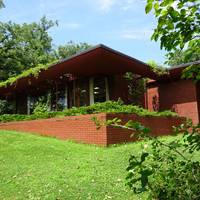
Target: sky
x: 119, y: 24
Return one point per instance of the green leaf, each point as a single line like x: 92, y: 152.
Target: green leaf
x: 170, y: 25
x: 148, y: 7
x: 143, y: 156
x: 144, y: 177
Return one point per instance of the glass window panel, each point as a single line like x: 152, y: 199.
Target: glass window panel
x: 61, y: 97
x: 99, y: 89
x: 58, y: 97
x: 84, y: 92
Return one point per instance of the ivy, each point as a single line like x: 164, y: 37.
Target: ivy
x: 35, y: 71
x: 158, y: 69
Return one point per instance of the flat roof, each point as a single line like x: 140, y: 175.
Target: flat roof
x: 175, y: 72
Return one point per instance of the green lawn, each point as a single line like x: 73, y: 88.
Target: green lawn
x: 35, y: 167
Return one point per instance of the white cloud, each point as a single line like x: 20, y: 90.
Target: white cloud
x: 105, y: 5
x: 127, y: 5
x: 137, y: 34
x: 51, y: 8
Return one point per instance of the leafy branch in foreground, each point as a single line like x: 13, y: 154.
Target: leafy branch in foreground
x: 178, y: 28
x: 167, y: 170
x: 178, y: 22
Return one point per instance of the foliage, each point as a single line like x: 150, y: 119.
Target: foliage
x: 114, y: 107
x: 178, y: 22
x: 5, y: 107
x: 158, y: 69
x: 136, y: 87
x: 2, y: 4
x: 183, y: 56
x: 178, y: 26
x: 35, y: 71
x: 71, y: 48
x: 168, y: 170
x: 106, y: 107
x: 24, y: 46
x: 192, y: 72
x: 42, y: 106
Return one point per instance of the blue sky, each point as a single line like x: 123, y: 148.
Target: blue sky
x: 119, y: 24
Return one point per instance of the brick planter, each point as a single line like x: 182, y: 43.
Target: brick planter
x: 82, y: 128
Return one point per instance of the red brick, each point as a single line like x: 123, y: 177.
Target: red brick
x: 83, y: 129
x: 180, y: 96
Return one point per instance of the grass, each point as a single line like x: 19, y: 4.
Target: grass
x: 35, y: 167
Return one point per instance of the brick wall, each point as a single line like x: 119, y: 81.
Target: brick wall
x: 83, y: 129
x: 152, y: 95
x: 179, y: 96
x: 159, y: 126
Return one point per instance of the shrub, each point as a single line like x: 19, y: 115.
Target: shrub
x: 168, y: 170
x: 41, y: 106
x: 115, y: 107
x: 6, y: 107
x: 41, y: 111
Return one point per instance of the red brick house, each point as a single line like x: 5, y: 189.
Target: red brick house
x: 97, y: 75
x: 170, y: 92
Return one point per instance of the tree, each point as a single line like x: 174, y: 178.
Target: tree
x: 183, y: 56
x: 71, y: 48
x: 178, y: 22
x: 24, y: 46
x: 178, y: 25
x: 2, y: 4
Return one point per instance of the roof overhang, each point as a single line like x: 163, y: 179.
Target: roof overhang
x: 174, y: 73
x: 99, y: 60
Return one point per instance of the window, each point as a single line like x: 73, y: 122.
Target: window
x: 58, y: 97
x: 83, y: 92
x: 61, y: 98
x: 98, y: 90
x: 78, y: 93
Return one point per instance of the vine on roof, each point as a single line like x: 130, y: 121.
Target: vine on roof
x: 34, y: 72
x: 158, y: 69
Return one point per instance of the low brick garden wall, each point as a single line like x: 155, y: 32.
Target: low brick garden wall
x: 83, y: 129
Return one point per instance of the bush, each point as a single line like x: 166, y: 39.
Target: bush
x: 115, y: 107
x: 41, y: 111
x: 5, y: 107
x: 168, y: 170
x: 41, y: 106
